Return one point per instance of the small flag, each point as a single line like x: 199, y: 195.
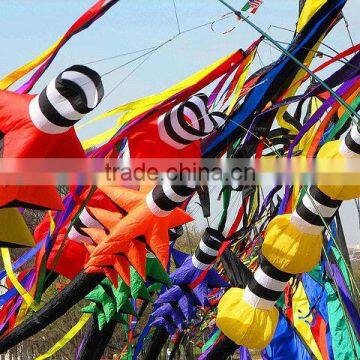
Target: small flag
x: 252, y: 5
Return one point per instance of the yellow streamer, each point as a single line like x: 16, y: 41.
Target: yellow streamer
x: 52, y: 223
x: 254, y: 205
x: 240, y: 84
x: 308, y: 11
x: 67, y: 337
x: 308, y: 138
x: 294, y: 86
x: 24, y: 308
x: 17, y: 74
x: 5, y: 253
x: 134, y: 108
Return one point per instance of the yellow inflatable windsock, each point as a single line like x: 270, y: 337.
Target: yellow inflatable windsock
x: 13, y: 230
x: 292, y: 245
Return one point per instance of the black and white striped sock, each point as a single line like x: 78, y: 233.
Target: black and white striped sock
x: 309, y: 212
x: 266, y: 286
x: 166, y: 197
x: 188, y: 122
x: 208, y: 249
x: 69, y: 97
x: 350, y: 146
x: 85, y: 220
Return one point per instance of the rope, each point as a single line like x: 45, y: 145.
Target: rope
x: 348, y: 30
x: 289, y: 30
x: 130, y: 73
x: 176, y: 16
x: 319, y: 53
x: 119, y: 55
x: 147, y: 54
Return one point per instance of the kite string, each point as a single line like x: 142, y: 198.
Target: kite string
x: 151, y: 51
x: 130, y: 73
x: 153, y: 48
x: 348, y: 30
x: 119, y: 55
x: 177, y: 17
x: 319, y: 53
x: 138, y: 57
x: 289, y: 30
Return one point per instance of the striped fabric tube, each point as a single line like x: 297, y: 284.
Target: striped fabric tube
x: 166, y: 197
x: 184, y: 124
x: 188, y: 122
x: 85, y: 220
x: 266, y: 287
x: 350, y: 147
x: 312, y: 209
x: 66, y: 100
x: 208, y: 249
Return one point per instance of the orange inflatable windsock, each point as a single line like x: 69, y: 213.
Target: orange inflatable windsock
x: 129, y: 236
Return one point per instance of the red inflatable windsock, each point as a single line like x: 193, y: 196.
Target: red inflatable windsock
x: 41, y: 126
x: 176, y: 134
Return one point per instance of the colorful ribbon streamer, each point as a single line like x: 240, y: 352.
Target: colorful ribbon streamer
x: 67, y: 337
x: 5, y: 253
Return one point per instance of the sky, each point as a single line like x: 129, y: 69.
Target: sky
x: 29, y: 27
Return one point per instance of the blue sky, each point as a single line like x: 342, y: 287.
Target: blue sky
x: 131, y: 25
x: 29, y: 27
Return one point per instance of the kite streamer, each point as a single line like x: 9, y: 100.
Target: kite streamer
x: 66, y: 338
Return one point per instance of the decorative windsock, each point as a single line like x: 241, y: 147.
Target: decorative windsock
x: 188, y: 122
x: 182, y: 126
x: 179, y: 303
x: 42, y: 126
x: 108, y: 302
x: 148, y: 219
x: 188, y: 272
x: 176, y: 134
x: 166, y: 197
x: 130, y: 234
x: 13, y: 230
x: 292, y: 245
x: 191, y: 122
x: 85, y: 220
x: 208, y: 249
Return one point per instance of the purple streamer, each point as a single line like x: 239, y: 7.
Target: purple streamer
x: 25, y: 88
x: 345, y: 297
x: 218, y: 87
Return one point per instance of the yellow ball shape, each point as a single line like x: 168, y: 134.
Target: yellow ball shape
x: 243, y: 323
x: 288, y: 248
x: 328, y: 151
